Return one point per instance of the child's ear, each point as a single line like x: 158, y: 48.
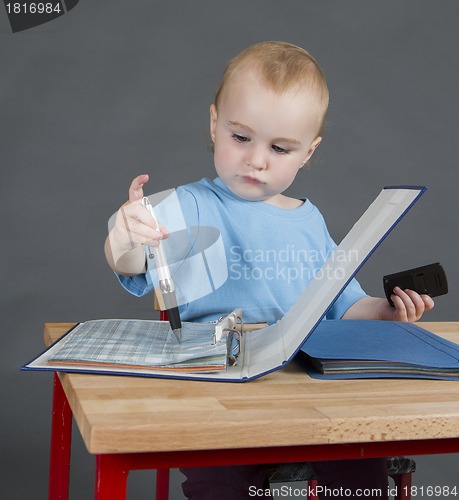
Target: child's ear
x: 314, y: 145
x: 213, y: 121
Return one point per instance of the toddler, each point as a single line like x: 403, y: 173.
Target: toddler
x: 266, y: 121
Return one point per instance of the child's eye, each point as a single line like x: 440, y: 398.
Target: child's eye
x: 240, y: 138
x: 279, y: 150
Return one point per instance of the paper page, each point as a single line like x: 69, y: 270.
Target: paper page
x: 139, y: 343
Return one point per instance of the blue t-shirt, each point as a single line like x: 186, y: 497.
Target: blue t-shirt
x: 271, y: 253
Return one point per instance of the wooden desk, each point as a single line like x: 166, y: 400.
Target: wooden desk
x: 137, y: 423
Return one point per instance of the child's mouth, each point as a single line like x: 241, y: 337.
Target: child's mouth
x: 251, y: 180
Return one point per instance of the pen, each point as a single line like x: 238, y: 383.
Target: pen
x: 166, y: 285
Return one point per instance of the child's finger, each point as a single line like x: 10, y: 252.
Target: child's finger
x: 163, y: 231
x: 416, y: 305
x: 136, y: 187
x: 401, y: 314
x: 145, y: 235
x: 428, y: 302
x: 413, y: 304
x: 141, y: 225
x: 140, y: 213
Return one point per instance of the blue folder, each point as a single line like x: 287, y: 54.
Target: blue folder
x: 375, y: 349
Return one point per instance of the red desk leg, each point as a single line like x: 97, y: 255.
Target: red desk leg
x: 61, y: 437
x: 111, y: 477
x: 403, y: 486
x: 162, y: 484
x: 112, y: 473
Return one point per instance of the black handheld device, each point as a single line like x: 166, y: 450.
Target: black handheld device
x: 430, y: 280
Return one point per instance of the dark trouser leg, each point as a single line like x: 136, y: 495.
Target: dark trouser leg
x: 225, y: 483
x: 341, y: 477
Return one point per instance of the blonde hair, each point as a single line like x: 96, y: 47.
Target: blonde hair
x: 281, y: 67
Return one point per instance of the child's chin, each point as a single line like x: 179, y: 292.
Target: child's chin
x: 248, y: 195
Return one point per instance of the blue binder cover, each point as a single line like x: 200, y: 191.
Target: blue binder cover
x: 375, y: 349
x: 268, y: 349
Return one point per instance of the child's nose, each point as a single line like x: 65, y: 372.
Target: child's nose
x: 257, y: 159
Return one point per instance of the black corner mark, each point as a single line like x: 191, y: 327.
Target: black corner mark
x: 69, y: 4
x: 27, y: 14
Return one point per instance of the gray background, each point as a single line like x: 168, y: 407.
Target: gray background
x: 113, y: 89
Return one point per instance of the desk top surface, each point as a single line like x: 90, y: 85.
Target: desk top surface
x: 286, y: 408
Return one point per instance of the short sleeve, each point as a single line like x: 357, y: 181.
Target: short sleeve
x: 137, y: 285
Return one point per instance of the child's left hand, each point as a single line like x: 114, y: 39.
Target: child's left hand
x: 409, y: 306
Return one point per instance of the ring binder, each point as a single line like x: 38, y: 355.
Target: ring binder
x: 227, y: 323
x: 234, y: 346
x: 268, y: 349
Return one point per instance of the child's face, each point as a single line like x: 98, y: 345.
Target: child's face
x: 262, y: 138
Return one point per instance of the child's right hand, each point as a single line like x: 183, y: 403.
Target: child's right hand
x: 134, y: 226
